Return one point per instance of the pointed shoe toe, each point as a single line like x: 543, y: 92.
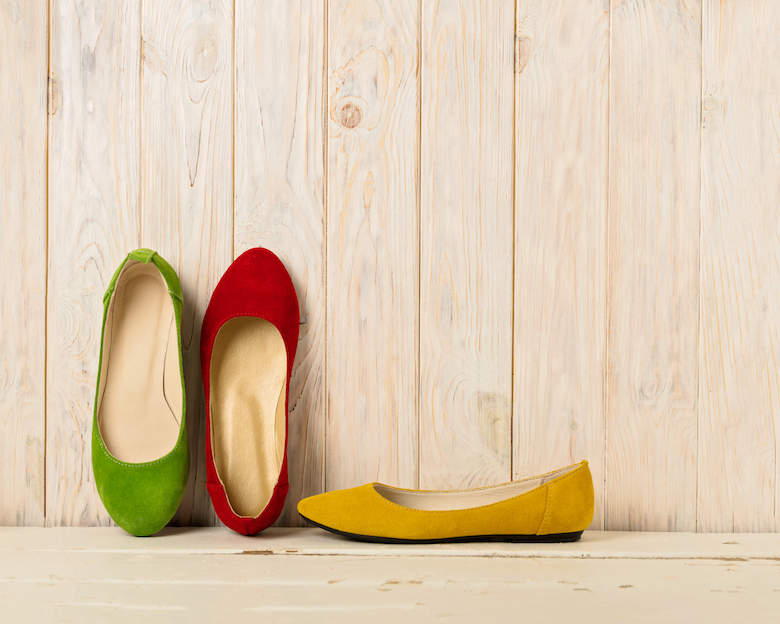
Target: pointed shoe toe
x: 554, y: 507
x: 248, y: 343
x: 140, y: 454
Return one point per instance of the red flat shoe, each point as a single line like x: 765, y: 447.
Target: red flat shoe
x: 247, y: 349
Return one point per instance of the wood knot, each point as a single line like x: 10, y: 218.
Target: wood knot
x: 494, y: 414
x: 350, y: 115
x: 523, y: 50
x: 651, y: 387
x: 205, y: 58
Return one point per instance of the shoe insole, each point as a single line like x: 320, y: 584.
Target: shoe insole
x: 248, y: 417
x: 140, y: 410
x: 465, y: 499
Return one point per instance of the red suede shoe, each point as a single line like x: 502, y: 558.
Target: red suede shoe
x: 247, y: 348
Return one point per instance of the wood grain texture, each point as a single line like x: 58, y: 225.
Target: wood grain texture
x: 466, y: 244
x: 305, y: 575
x: 93, y: 189
x: 187, y: 181
x: 561, y: 150
x: 372, y: 242
x: 639, y: 288
x: 279, y: 197
x: 655, y: 78
x: 23, y: 96
x: 739, y: 338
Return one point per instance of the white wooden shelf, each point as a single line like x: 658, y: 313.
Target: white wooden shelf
x: 294, y: 575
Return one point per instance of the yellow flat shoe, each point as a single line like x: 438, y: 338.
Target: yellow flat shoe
x: 554, y: 507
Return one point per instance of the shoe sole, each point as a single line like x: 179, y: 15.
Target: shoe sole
x: 518, y: 539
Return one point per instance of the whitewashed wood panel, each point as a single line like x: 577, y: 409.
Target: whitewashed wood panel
x: 651, y: 441
x: 23, y: 119
x: 215, y: 575
x: 466, y: 219
x: 380, y: 147
x: 187, y: 180
x: 88, y: 586
x: 372, y: 242
x: 93, y: 184
x: 279, y: 197
x: 739, y: 338
x: 561, y: 150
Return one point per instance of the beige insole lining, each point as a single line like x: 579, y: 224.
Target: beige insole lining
x: 465, y: 499
x: 140, y: 397
x: 247, y: 387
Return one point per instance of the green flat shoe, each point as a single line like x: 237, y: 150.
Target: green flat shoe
x: 140, y: 454
x: 554, y: 507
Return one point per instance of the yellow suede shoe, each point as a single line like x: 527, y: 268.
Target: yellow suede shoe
x: 554, y: 507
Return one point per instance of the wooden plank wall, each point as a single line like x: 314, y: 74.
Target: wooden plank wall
x: 23, y: 165
x: 561, y: 157
x: 94, y: 219
x: 372, y: 242
x: 465, y: 381
x: 739, y: 332
x: 522, y: 234
x: 652, y: 266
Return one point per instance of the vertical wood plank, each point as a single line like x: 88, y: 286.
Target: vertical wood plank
x: 279, y: 197
x: 187, y: 182
x: 561, y: 160
x: 23, y: 85
x: 466, y: 243
x: 93, y: 186
x: 654, y: 157
x: 739, y: 339
x: 372, y: 241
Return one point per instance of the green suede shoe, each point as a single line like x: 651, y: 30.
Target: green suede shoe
x: 140, y: 454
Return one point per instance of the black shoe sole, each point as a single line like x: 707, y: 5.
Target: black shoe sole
x: 518, y: 539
